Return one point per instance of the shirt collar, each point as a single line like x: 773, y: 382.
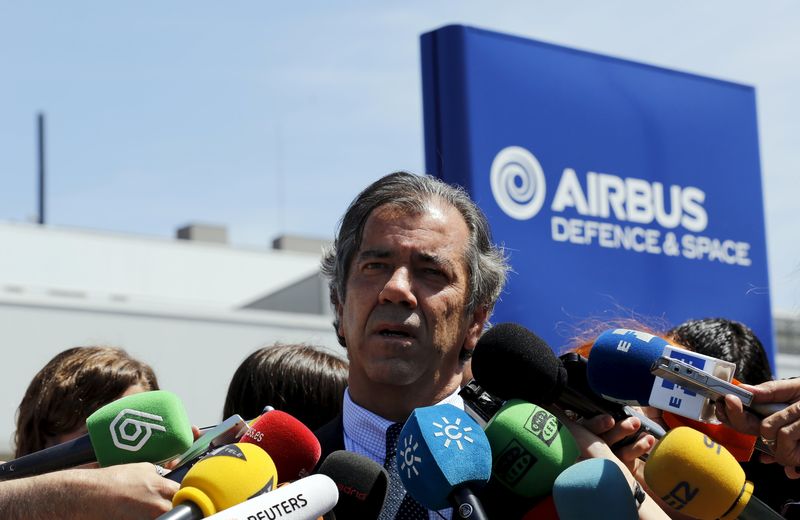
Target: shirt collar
x: 365, y: 431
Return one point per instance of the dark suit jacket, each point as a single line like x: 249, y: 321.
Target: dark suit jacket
x: 331, y: 436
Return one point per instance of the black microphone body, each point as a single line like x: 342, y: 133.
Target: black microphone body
x: 578, y: 396
x: 510, y: 362
x: 61, y: 456
x: 758, y: 510
x: 466, y: 505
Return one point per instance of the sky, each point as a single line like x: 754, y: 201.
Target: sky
x: 269, y: 117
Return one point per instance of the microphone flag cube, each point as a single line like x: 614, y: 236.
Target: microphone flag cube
x: 440, y: 449
x: 530, y: 447
x: 144, y: 427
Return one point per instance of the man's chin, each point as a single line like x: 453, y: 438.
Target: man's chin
x: 395, y: 373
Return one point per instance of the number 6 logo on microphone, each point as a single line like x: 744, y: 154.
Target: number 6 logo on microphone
x: 132, y: 439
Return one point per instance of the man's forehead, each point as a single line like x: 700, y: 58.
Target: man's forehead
x: 447, y: 217
x: 434, y: 207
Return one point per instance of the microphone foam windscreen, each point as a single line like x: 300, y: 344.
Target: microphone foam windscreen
x: 292, y: 446
x: 362, y: 483
x: 511, y: 362
x: 594, y: 488
x: 144, y: 427
x: 439, y: 449
x: 619, y: 365
x: 697, y: 476
x: 227, y: 476
x: 530, y: 447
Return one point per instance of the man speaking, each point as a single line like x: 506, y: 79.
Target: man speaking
x: 414, y: 277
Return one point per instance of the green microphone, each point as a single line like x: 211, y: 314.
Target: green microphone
x: 530, y: 448
x: 144, y: 427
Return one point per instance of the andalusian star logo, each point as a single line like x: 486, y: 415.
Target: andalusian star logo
x: 453, y: 432
x: 409, y: 456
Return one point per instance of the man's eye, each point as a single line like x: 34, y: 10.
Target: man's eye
x: 433, y: 271
x: 373, y: 265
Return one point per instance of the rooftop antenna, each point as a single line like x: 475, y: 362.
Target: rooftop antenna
x: 279, y: 179
x: 40, y: 132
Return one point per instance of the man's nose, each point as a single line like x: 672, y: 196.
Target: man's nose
x: 398, y: 289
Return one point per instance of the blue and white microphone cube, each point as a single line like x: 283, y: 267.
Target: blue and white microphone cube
x: 442, y: 448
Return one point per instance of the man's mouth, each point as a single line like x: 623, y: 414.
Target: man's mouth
x: 392, y: 333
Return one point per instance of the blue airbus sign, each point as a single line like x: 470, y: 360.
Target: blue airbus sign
x: 616, y: 187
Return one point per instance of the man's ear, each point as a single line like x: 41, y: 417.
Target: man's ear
x: 339, y: 326
x: 474, y: 330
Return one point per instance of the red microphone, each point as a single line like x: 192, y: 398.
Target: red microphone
x: 545, y: 509
x: 739, y: 444
x: 293, y: 447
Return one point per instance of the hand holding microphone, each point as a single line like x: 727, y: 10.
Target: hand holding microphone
x: 780, y: 430
x: 612, y: 477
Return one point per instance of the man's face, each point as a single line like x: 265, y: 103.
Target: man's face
x: 404, y: 314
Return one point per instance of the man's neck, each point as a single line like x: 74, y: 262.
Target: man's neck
x: 395, y: 403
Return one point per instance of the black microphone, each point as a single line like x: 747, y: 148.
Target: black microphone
x: 362, y: 484
x: 510, y: 361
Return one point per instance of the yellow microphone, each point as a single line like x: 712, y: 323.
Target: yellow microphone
x: 696, y: 475
x: 227, y: 476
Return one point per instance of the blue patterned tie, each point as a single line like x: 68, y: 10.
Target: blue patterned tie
x: 399, y: 504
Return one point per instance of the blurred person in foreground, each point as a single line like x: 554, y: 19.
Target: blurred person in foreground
x: 69, y: 388
x: 72, y: 386
x: 301, y: 380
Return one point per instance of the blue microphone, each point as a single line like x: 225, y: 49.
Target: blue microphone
x: 441, y: 454
x: 628, y: 366
x: 619, y: 365
x: 594, y: 488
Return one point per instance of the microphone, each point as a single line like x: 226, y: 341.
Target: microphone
x: 697, y: 476
x: 441, y: 454
x: 510, y: 361
x: 362, y: 484
x: 740, y: 445
x: 545, y: 509
x: 145, y: 427
x: 621, y: 365
x: 304, y: 499
x: 227, y: 432
x: 292, y: 446
x: 530, y: 448
x: 227, y: 476
x: 594, y: 488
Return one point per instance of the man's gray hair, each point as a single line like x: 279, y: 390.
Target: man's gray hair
x: 485, y: 262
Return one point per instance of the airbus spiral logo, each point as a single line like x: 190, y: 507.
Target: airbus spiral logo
x: 517, y: 181
x: 131, y: 429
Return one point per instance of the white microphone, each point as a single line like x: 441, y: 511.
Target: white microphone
x: 304, y: 499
